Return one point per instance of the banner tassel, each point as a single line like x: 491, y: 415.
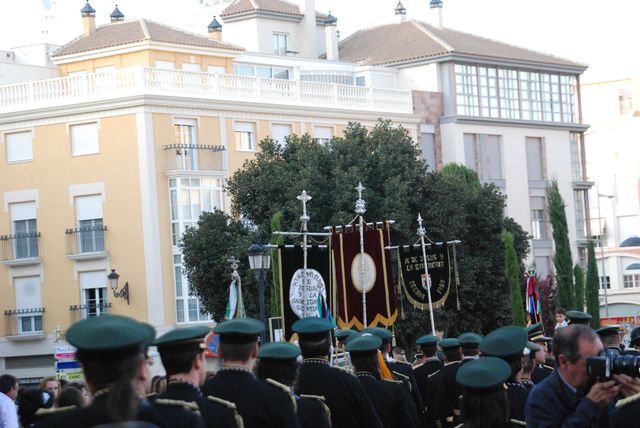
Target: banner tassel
x: 455, y: 269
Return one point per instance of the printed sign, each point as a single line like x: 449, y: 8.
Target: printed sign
x: 213, y: 345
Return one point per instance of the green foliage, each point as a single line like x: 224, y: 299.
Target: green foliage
x: 562, y: 259
x: 592, y: 288
x: 206, y: 250
x: 578, y: 277
x: 466, y: 174
x: 512, y: 276
x: 276, y: 225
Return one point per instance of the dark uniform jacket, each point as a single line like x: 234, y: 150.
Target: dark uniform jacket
x: 313, y: 412
x: 390, y: 400
x: 178, y: 413
x: 445, y: 407
x: 551, y: 403
x: 518, y: 395
x: 627, y: 413
x: 540, y: 372
x: 260, y: 404
x: 347, y: 401
x: 433, y: 383
x: 422, y: 373
x: 96, y: 414
x: 213, y: 412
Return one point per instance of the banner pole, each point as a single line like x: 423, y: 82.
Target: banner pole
x: 421, y: 233
x: 304, y: 218
x: 360, y: 210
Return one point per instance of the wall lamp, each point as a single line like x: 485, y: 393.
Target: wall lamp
x: 113, y: 283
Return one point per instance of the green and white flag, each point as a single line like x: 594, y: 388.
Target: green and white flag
x: 235, y: 306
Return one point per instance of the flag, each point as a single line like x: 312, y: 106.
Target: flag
x: 371, y: 272
x: 235, y: 306
x: 412, y: 275
x: 533, y: 299
x: 295, y: 302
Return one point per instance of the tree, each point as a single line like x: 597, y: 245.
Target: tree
x: 562, y: 258
x: 548, y: 293
x: 276, y: 225
x: 578, y: 277
x: 206, y: 250
x: 592, y: 288
x: 512, y: 276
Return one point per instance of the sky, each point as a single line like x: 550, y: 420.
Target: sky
x: 598, y: 33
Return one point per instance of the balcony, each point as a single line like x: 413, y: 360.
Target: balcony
x: 180, y: 158
x: 138, y: 81
x: 92, y: 309
x: 24, y: 324
x: 86, y: 243
x: 21, y: 249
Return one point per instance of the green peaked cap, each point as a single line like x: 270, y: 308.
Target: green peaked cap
x: 449, y: 343
x: 312, y: 325
x: 484, y: 373
x: 382, y: 333
x: 239, y: 330
x: 366, y: 342
x: 279, y: 351
x: 109, y: 333
x: 504, y: 342
x: 181, y: 336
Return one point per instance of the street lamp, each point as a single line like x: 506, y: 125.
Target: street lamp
x: 113, y: 283
x: 604, y: 277
x: 260, y: 262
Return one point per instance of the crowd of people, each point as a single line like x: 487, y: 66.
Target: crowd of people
x: 511, y: 377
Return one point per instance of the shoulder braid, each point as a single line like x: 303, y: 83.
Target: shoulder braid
x: 321, y: 399
x: 286, y: 389
x: 231, y: 406
x: 518, y: 423
x: 186, y: 405
x: 628, y: 400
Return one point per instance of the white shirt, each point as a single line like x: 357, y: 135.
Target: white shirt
x: 8, y: 412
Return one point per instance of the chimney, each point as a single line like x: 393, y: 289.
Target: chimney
x: 309, y: 46
x: 88, y: 19
x: 437, y: 4
x: 116, y: 15
x: 215, y: 30
x: 331, y: 37
x: 401, y: 12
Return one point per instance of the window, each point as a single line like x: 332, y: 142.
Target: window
x: 625, y: 101
x: 607, y: 280
x: 581, y: 221
x: 90, y: 223
x: 188, y: 308
x: 84, y: 139
x: 280, y: 133
x: 576, y: 156
x: 509, y: 94
x: 185, y: 138
x: 631, y: 281
x: 266, y: 72
x: 187, y: 66
x: 19, y: 146
x: 23, y: 217
x: 105, y: 69
x: 360, y: 81
x: 245, y: 133
x: 568, y: 88
x: 216, y: 69
x: 428, y: 143
x: 466, y: 89
x: 535, y: 160
x: 483, y: 154
x: 488, y: 92
x: 165, y: 65
x: 322, y: 134
x: 28, y: 296
x: 530, y: 95
x: 551, y: 97
x: 93, y: 286
x: 280, y: 43
x: 538, y: 222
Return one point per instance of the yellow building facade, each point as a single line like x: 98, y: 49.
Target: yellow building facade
x: 103, y: 168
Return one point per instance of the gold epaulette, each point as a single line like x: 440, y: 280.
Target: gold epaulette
x: 459, y: 426
x: 548, y: 367
x: 52, y: 410
x: 321, y: 399
x: 400, y: 375
x: 150, y: 395
x: 393, y: 381
x: 437, y: 371
x: 628, y: 400
x: 344, y: 369
x: 231, y: 406
x: 517, y: 422
x: 186, y: 405
x: 451, y: 362
x: 286, y: 389
x: 418, y: 365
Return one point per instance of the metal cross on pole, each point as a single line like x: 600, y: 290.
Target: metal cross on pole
x: 360, y: 210
x: 234, y: 266
x: 421, y: 233
x: 304, y: 197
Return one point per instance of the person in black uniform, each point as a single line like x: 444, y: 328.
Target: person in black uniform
x: 634, y: 343
x: 389, y: 397
x: 112, y: 351
x: 578, y: 317
x: 541, y: 369
x: 401, y: 371
x: 446, y: 402
x: 508, y: 343
x: 347, y: 401
x: 259, y: 404
x: 429, y: 346
x: 470, y: 343
x: 528, y: 365
x: 277, y: 362
x: 610, y: 340
x: 484, y: 398
x: 182, y: 354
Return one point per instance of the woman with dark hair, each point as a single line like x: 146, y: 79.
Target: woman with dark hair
x: 71, y: 396
x: 484, y: 398
x: 29, y: 401
x: 112, y: 351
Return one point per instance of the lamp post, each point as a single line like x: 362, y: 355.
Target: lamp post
x: 260, y: 262
x: 604, y: 277
x: 113, y: 283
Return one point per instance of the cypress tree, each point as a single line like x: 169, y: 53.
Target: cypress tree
x: 578, y: 277
x: 593, y: 289
x: 562, y: 258
x: 512, y: 276
x: 276, y: 225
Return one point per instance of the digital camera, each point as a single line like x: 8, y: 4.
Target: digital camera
x: 611, y: 363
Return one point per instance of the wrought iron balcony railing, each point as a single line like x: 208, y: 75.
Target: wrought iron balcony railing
x: 24, y: 322
x: 92, y: 309
x: 193, y: 157
x: 20, y: 246
x: 85, y: 240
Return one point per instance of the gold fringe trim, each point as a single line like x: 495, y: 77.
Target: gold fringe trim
x: 628, y: 400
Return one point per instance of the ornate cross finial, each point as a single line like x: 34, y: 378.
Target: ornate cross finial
x: 360, y: 203
x: 304, y: 197
x: 421, y: 230
x: 234, y: 266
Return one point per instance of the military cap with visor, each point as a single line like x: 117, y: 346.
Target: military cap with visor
x: 504, y: 342
x: 382, y: 333
x: 450, y: 343
x: 279, y: 351
x: 470, y: 340
x: 578, y: 317
x: 239, y: 330
x: 365, y: 343
x: 183, y: 337
x: 536, y: 333
x: 609, y: 330
x: 427, y: 341
x: 484, y: 374
x: 345, y: 335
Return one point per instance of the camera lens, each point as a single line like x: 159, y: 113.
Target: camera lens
x: 626, y: 364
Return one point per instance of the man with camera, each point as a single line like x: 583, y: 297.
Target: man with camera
x: 569, y: 397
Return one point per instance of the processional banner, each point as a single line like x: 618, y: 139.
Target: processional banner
x: 413, y: 278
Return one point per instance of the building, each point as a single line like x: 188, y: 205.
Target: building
x: 611, y: 108
x: 104, y: 167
